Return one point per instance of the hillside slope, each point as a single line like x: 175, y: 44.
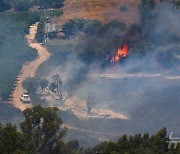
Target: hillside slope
x: 103, y: 10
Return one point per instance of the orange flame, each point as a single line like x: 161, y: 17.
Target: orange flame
x: 122, y: 52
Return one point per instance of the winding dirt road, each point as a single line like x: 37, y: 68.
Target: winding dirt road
x: 29, y: 69
x: 88, y: 131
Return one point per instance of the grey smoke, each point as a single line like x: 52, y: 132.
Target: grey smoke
x: 149, y: 101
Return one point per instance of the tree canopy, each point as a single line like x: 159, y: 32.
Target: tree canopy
x: 42, y: 132
x: 42, y: 129
x: 24, y: 5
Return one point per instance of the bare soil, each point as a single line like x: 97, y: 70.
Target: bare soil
x: 78, y: 107
x: 103, y: 10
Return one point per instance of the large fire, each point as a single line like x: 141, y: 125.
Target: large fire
x: 122, y: 52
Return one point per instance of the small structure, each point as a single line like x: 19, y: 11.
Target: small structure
x: 49, y: 28
x: 50, y: 31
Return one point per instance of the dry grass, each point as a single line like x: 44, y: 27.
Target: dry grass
x: 103, y: 10
x: 78, y: 107
x: 100, y: 3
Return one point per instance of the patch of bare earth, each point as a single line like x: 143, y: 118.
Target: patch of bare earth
x: 103, y: 10
x: 78, y: 107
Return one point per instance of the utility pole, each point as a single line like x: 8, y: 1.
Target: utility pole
x: 46, y: 29
x: 46, y: 25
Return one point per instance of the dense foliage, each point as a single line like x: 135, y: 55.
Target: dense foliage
x: 42, y: 129
x: 138, y: 143
x: 42, y: 132
x: 73, y: 27
x: 11, y: 140
x: 14, y: 50
x: 24, y: 5
x: 30, y: 84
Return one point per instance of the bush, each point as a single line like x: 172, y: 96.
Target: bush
x: 91, y: 27
x: 116, y: 24
x: 40, y: 32
x: 21, y: 5
x: 30, y: 84
x: 123, y: 8
x: 73, y: 27
x: 50, y: 3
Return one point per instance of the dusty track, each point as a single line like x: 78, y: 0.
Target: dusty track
x: 29, y: 69
x: 88, y: 131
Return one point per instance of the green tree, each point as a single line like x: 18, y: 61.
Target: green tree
x: 136, y: 144
x: 30, y: 84
x: 116, y: 24
x: 73, y: 27
x: 11, y: 141
x: 158, y: 142
x: 56, y: 86
x: 73, y: 145
x: 124, y: 145
x: 91, y: 27
x: 42, y: 129
x: 50, y: 3
x: 106, y: 148
x: 40, y: 32
x: 22, y: 5
x: 43, y: 84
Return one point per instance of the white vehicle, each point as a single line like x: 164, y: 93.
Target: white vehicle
x: 25, y: 98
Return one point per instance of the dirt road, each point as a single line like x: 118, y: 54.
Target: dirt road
x: 30, y: 68
x: 88, y: 131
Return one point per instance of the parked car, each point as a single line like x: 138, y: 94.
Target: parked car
x: 25, y: 98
